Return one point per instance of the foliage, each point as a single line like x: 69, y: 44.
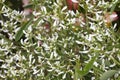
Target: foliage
x: 48, y: 45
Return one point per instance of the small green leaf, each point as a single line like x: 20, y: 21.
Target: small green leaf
x: 89, y: 65
x: 20, y: 32
x: 77, y: 71
x: 86, y: 69
x: 114, y: 6
x: 108, y: 74
x: 81, y: 9
x: 36, y: 22
x: 28, y: 6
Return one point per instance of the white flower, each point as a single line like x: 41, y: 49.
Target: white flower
x: 75, y: 1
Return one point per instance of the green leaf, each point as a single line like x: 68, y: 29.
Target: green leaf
x: 28, y: 6
x: 81, y: 9
x: 36, y: 22
x: 77, y: 71
x: 114, y: 6
x: 20, y: 32
x: 108, y: 74
x: 88, y: 66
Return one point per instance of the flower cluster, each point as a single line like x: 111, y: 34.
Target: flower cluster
x: 59, y: 40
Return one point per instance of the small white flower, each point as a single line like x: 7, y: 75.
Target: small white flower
x: 75, y: 1
x: 43, y: 8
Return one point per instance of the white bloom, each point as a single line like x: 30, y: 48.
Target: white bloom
x: 75, y: 1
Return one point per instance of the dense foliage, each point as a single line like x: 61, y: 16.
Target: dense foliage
x: 48, y: 40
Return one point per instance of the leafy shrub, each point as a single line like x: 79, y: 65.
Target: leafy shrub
x: 48, y: 43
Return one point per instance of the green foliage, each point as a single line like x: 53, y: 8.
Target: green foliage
x: 108, y: 74
x: 47, y: 43
x: 86, y: 69
x: 24, y: 27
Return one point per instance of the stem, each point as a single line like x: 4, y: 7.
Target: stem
x: 115, y: 60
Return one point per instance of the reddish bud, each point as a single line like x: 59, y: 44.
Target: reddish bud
x: 110, y: 18
x: 69, y: 4
x: 47, y: 26
x: 75, y: 5
x: 114, y: 16
x: 72, y: 4
x: 40, y: 43
x: 27, y: 11
x: 25, y: 2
